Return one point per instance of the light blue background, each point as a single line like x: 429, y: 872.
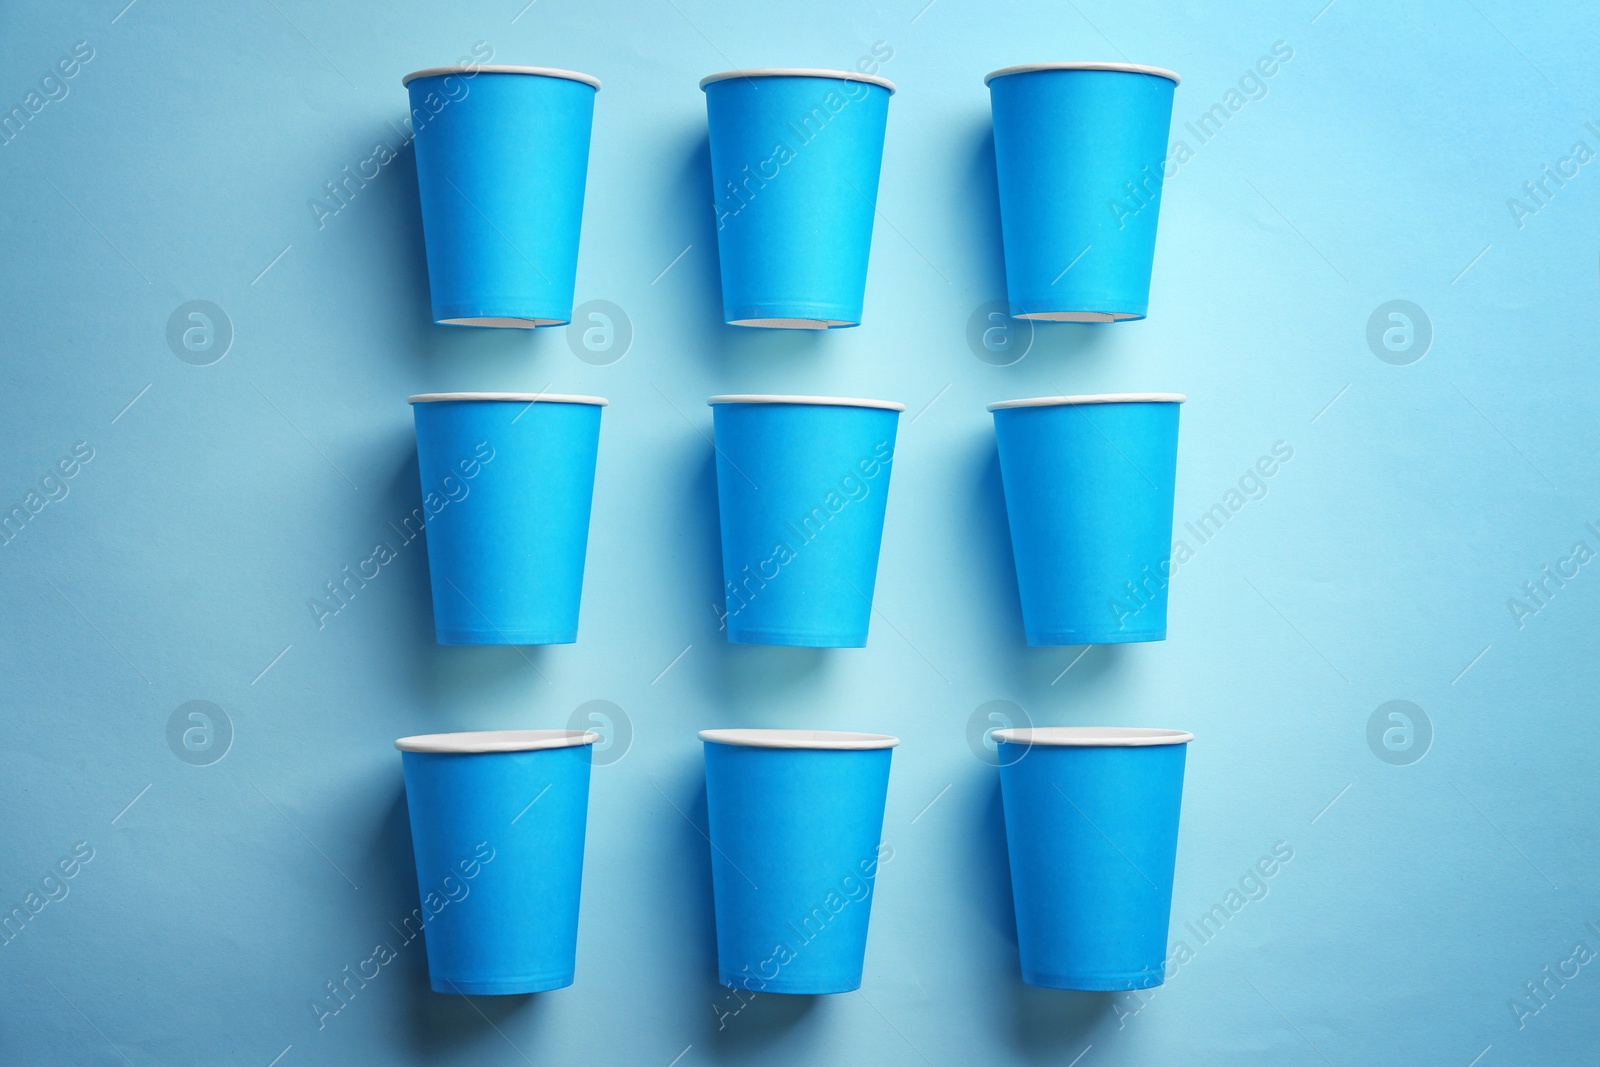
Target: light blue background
x: 1377, y: 167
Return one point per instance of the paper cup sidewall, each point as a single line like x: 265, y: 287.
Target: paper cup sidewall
x: 1092, y: 837
x: 498, y: 877
x: 1080, y: 158
x: 501, y: 166
x: 795, y: 857
x: 802, y: 494
x: 507, y: 489
x: 795, y: 163
x: 1089, y: 498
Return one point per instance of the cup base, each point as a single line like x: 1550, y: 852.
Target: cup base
x: 1080, y: 316
x: 792, y: 988
x: 792, y: 324
x: 1097, y: 983
x: 501, y: 987
x: 1057, y: 638
x: 793, y: 315
x: 501, y: 322
x: 506, y: 637
x: 794, y: 639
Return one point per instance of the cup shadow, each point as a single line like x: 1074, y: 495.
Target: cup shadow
x: 746, y: 673
x: 442, y: 670
x: 986, y: 247
x: 391, y: 869
x: 981, y: 221
x: 438, y: 1023
x: 742, y: 1024
x: 404, y: 530
x: 443, y: 1023
x: 1044, y: 1024
x: 696, y: 873
x: 692, y: 200
x: 405, y: 260
x: 706, y: 525
x: 733, y: 347
x: 991, y: 872
x: 1055, y: 1024
x: 1079, y: 339
x: 763, y: 1021
x: 1059, y: 671
x: 990, y: 536
x: 739, y: 1023
x: 408, y: 259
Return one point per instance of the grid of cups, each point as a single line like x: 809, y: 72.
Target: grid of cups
x: 794, y: 816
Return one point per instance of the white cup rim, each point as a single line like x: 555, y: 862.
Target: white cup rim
x: 503, y: 68
x: 526, y: 398
x: 804, y: 739
x: 800, y: 72
x: 474, y: 742
x: 1096, y: 398
x: 1092, y: 736
x: 817, y: 401
x: 1124, y: 68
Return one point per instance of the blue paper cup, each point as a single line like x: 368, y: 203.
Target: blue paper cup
x: 802, y: 482
x: 497, y: 824
x: 502, y: 153
x: 1089, y: 486
x: 507, y: 481
x: 1092, y: 831
x: 795, y: 819
x: 795, y: 156
x: 1080, y: 153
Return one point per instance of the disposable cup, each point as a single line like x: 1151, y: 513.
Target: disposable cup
x: 1092, y: 831
x: 1080, y: 153
x: 802, y: 483
x: 795, y: 156
x: 795, y: 818
x: 1089, y: 491
x: 497, y: 825
x: 507, y: 482
x: 502, y: 155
